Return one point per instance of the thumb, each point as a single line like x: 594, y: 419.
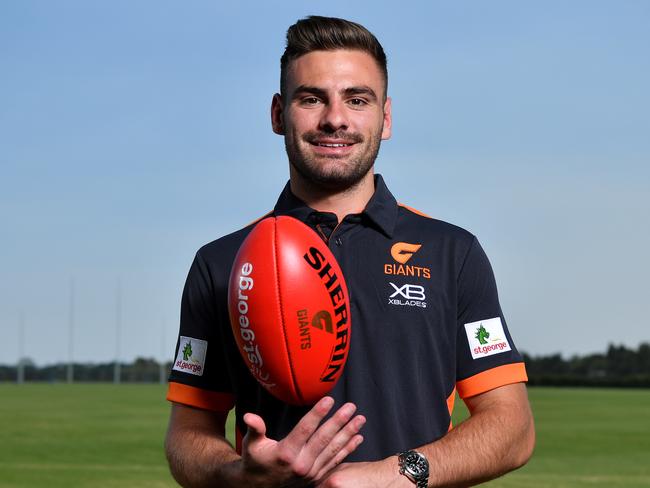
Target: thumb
x: 256, y: 427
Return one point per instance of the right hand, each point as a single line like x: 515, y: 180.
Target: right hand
x: 307, y: 453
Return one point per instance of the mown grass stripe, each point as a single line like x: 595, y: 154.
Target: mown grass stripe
x: 81, y: 467
x: 60, y: 435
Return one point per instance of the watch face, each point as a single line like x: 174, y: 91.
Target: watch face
x: 416, y: 464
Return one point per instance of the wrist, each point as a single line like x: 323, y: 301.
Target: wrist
x: 232, y: 473
x: 390, y: 471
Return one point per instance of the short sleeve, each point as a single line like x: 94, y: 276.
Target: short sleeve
x: 486, y: 354
x: 199, y: 375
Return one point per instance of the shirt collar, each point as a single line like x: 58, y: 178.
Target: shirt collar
x: 381, y: 209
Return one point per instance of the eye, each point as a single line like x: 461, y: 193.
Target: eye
x: 357, y: 102
x: 310, y: 101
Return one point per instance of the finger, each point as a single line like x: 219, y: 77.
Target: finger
x: 339, y: 423
x: 307, y: 425
x: 344, y: 452
x: 256, y: 426
x: 339, y: 447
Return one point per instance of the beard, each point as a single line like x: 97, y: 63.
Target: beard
x: 332, y: 173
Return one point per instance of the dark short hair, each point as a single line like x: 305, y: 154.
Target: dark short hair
x: 315, y: 33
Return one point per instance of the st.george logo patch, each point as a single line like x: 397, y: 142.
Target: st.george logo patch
x: 486, y: 337
x: 191, y: 355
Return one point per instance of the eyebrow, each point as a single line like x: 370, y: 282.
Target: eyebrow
x: 361, y: 90
x: 354, y: 90
x: 302, y: 89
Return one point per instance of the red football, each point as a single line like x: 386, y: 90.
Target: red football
x: 289, y: 310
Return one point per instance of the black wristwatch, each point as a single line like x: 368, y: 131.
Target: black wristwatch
x: 415, y: 467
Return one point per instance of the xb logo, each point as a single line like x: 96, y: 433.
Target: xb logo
x: 403, y: 251
x: 409, y: 292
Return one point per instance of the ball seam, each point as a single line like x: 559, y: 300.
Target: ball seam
x: 280, y: 304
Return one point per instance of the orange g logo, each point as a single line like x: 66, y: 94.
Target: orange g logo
x: 403, y: 251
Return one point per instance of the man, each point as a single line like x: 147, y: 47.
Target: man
x: 425, y: 314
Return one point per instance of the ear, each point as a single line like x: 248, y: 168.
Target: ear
x: 388, y: 120
x: 277, y: 114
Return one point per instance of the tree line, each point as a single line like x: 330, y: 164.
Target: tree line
x: 619, y: 366
x: 142, y: 370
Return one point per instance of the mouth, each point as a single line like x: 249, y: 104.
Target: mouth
x: 332, y: 149
x: 332, y: 141
x: 334, y: 145
x: 331, y: 144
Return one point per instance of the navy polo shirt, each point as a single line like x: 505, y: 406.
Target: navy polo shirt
x: 425, y: 323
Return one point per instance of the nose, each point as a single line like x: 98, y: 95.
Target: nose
x: 334, y: 116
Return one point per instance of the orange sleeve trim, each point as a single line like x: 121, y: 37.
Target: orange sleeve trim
x: 491, y: 379
x: 199, y: 398
x: 422, y: 214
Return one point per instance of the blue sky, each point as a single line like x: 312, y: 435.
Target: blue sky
x: 131, y: 133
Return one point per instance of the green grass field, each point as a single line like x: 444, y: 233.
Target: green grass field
x: 92, y: 435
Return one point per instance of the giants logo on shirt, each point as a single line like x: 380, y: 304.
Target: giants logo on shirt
x: 486, y: 337
x: 191, y: 355
x: 402, y: 252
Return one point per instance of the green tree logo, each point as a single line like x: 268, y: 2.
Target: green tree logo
x: 187, y: 351
x: 482, y: 335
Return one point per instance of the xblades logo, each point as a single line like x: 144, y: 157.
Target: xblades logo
x: 407, y: 295
x: 410, y: 292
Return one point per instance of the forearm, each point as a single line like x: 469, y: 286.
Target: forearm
x: 197, y: 451
x: 200, y: 459
x: 487, y: 445
x: 497, y: 438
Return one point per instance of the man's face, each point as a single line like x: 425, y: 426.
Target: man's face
x: 333, y: 116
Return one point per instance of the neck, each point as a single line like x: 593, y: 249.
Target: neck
x: 352, y: 200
